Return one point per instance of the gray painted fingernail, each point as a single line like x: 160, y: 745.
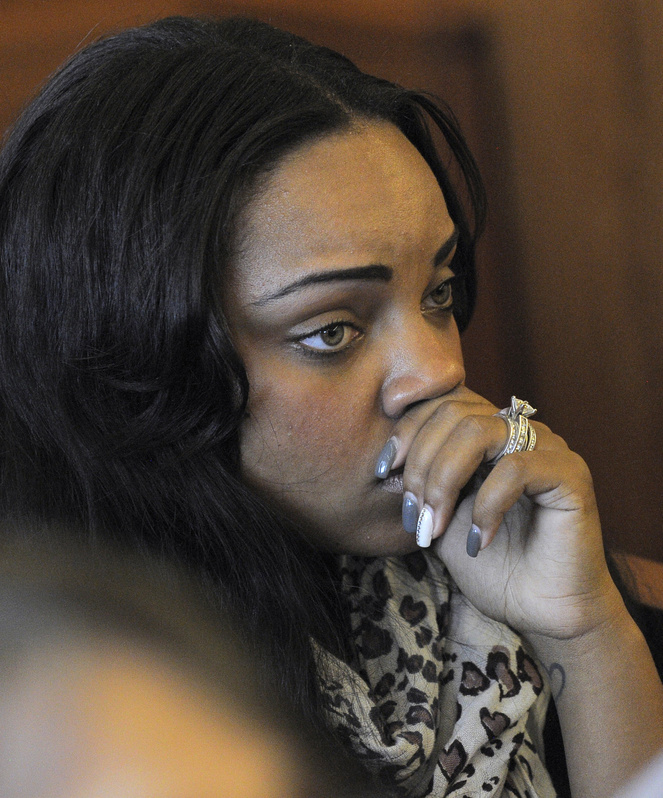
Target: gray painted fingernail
x: 473, y: 541
x: 410, y: 513
x: 425, y: 528
x: 386, y: 458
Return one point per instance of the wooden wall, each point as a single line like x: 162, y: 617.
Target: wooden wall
x: 563, y: 104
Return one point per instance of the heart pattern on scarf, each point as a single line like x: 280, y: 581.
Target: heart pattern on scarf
x: 452, y: 760
x: 495, y: 723
x: 413, y: 611
x: 439, y: 700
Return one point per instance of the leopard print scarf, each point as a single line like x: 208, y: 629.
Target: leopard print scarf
x: 441, y: 700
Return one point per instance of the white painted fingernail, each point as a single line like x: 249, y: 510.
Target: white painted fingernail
x: 425, y: 528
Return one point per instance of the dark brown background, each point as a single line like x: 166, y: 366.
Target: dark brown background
x: 563, y: 104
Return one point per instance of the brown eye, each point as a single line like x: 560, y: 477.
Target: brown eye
x: 442, y: 296
x: 331, y: 339
x: 333, y: 335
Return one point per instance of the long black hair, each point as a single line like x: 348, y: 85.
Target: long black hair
x: 121, y: 394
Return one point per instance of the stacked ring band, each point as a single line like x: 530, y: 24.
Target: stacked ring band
x: 521, y: 436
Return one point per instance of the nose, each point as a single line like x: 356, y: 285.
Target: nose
x: 426, y: 363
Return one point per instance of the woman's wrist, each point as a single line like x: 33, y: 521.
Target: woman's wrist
x: 587, y: 629
x: 608, y: 696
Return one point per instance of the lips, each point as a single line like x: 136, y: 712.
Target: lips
x: 393, y: 483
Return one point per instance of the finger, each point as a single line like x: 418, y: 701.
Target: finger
x: 423, y: 429
x: 429, y: 444
x: 451, y: 423
x: 436, y: 486
x: 435, y: 476
x: 421, y: 452
x: 410, y: 425
x: 554, y: 479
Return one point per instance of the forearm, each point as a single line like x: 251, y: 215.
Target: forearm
x: 610, y: 703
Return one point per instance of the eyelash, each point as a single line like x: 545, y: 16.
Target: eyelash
x: 309, y: 351
x: 449, y: 303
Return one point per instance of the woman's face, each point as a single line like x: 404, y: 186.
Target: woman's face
x: 339, y: 303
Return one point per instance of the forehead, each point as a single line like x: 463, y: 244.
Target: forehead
x: 364, y: 193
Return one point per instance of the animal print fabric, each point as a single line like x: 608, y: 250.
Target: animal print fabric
x: 441, y: 701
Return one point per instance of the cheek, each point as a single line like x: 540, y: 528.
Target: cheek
x: 305, y: 428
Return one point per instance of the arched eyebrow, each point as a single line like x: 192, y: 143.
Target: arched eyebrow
x: 446, y: 249
x: 373, y: 272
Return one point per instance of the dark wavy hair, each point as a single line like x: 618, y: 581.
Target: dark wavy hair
x: 121, y: 394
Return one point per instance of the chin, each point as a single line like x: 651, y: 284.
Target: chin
x: 379, y: 543
x: 378, y: 532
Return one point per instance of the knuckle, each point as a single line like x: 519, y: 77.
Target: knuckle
x: 512, y: 466
x: 581, y: 472
x: 482, y: 507
x: 451, y: 411
x: 547, y: 439
x: 414, y: 478
x: 458, y: 416
x: 407, y: 424
x: 558, y: 441
x: 437, y: 490
x: 471, y: 427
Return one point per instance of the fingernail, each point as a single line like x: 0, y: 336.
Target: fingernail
x: 386, y: 458
x: 410, y: 513
x: 473, y: 541
x: 425, y: 528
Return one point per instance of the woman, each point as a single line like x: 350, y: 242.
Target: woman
x: 234, y: 276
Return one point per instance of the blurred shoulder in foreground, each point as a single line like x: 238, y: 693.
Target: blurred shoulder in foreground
x: 119, y: 678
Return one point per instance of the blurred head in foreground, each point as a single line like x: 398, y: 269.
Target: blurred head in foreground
x: 116, y: 680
